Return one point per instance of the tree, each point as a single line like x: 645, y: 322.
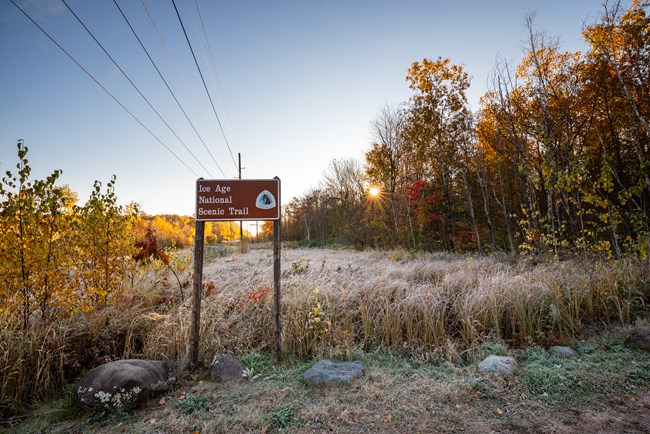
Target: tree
x: 438, y: 111
x: 57, y: 257
x: 32, y: 217
x: 385, y: 169
x: 105, y: 245
x: 343, y: 186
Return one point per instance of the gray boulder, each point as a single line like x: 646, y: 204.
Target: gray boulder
x: 331, y: 372
x: 567, y: 352
x: 640, y: 338
x: 122, y: 385
x: 502, y: 365
x: 226, y: 367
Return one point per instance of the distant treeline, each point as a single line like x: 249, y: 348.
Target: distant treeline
x: 177, y: 231
x: 555, y: 160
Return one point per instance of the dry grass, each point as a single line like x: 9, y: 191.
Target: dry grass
x: 414, y: 303
x: 426, y: 306
x: 605, y: 390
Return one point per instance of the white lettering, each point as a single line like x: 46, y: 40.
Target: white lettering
x: 238, y: 211
x: 212, y: 199
x: 209, y: 212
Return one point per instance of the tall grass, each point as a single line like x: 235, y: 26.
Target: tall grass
x: 39, y: 361
x: 412, y: 303
x: 421, y: 305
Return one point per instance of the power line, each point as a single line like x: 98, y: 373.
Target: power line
x: 134, y: 86
x: 167, y: 85
x: 171, y: 58
x: 180, y: 20
x: 214, y: 66
x: 103, y: 88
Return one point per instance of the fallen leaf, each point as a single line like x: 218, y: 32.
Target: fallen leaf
x: 152, y: 421
x: 499, y: 411
x: 389, y: 418
x: 162, y: 401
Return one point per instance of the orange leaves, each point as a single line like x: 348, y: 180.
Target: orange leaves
x: 438, y: 80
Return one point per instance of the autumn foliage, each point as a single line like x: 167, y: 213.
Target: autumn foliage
x: 177, y: 232
x: 59, y: 258
x: 555, y: 161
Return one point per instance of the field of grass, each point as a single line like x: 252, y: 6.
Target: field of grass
x: 420, y: 321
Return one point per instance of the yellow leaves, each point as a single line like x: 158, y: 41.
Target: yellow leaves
x: 153, y: 316
x: 316, y: 324
x: 60, y: 258
x: 438, y: 80
x: 623, y: 399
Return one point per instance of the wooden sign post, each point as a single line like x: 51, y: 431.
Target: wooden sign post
x: 227, y: 200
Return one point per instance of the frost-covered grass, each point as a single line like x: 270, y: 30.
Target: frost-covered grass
x: 424, y: 306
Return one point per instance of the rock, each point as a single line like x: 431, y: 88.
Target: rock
x: 503, y: 365
x: 226, y: 367
x: 123, y: 384
x: 330, y: 372
x: 567, y: 352
x: 639, y: 338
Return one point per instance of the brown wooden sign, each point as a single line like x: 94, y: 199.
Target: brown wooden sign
x: 227, y: 199
x: 237, y: 199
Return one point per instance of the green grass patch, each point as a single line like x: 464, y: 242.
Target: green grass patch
x: 605, y: 368
x: 280, y: 417
x: 551, y: 378
x: 257, y: 363
x: 194, y: 403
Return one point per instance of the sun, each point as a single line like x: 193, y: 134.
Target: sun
x: 374, y: 192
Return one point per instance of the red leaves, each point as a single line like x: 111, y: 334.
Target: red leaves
x: 149, y: 248
x: 257, y: 294
x: 413, y: 192
x: 165, y: 300
x: 424, y: 200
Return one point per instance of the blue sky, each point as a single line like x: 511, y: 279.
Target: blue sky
x: 302, y: 81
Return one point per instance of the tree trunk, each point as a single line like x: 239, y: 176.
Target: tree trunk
x: 470, y: 204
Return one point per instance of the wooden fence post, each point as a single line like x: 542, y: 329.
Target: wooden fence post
x: 196, y: 295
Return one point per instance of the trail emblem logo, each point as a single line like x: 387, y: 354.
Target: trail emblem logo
x: 265, y: 200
